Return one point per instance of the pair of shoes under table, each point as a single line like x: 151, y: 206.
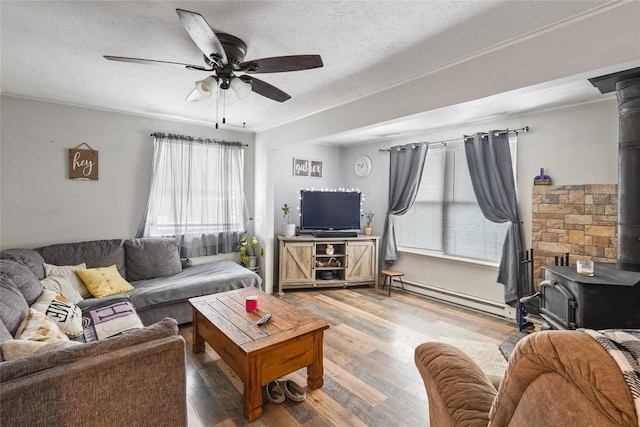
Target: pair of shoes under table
x: 276, y: 391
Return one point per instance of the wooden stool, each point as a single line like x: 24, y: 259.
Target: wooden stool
x: 390, y: 274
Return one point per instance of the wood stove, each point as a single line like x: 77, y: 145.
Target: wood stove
x: 611, y: 298
x: 608, y: 300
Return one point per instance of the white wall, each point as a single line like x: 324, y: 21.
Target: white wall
x: 288, y: 186
x: 582, y: 47
x: 40, y: 205
x: 575, y: 145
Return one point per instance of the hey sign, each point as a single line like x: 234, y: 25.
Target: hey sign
x: 83, y: 164
x: 303, y: 167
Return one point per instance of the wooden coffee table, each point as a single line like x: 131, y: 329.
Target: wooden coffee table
x: 291, y: 340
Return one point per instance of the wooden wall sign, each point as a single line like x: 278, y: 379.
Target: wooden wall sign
x: 304, y: 167
x: 83, y: 164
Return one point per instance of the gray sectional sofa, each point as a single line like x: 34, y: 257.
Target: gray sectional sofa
x: 162, y: 287
x: 135, y: 378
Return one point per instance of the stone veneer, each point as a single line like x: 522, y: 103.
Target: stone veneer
x: 579, y: 219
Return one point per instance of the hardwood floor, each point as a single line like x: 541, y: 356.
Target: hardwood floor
x: 369, y: 375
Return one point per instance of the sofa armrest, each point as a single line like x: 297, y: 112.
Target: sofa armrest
x: 136, y: 385
x: 30, y: 365
x: 459, y: 393
x: 563, y: 378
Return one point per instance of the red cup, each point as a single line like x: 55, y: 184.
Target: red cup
x: 251, y: 303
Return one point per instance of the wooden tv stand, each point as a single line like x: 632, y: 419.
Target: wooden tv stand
x: 304, y: 263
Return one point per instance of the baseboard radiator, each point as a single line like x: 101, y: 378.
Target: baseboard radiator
x: 459, y: 298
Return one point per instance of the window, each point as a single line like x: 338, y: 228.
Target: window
x: 197, y: 194
x: 445, y: 217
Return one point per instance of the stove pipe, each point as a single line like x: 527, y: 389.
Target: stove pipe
x: 628, y: 93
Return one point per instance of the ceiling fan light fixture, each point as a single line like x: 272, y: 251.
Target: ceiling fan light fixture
x: 226, y: 97
x: 241, y: 88
x: 207, y: 86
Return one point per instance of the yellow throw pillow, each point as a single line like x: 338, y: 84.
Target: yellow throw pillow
x: 104, y: 281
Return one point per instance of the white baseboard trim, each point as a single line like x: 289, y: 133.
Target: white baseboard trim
x: 459, y: 298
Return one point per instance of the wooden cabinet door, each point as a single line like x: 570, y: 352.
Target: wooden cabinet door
x: 296, y: 262
x: 361, y: 260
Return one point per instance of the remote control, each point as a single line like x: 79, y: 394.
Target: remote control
x: 264, y: 319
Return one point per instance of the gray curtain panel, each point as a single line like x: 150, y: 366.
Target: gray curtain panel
x: 490, y: 167
x: 405, y: 172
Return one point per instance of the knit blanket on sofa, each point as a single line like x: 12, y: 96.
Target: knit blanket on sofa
x: 624, y: 348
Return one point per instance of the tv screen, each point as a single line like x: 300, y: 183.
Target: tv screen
x: 329, y: 210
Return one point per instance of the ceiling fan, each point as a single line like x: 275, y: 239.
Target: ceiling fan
x: 224, y: 59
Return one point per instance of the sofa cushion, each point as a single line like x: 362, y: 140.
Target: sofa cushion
x: 4, y: 336
x: 4, y: 333
x: 69, y: 273
x: 13, y: 307
x: 104, y: 281
x: 23, y: 279
x: 30, y: 258
x: 148, y: 258
x: 94, y: 253
x: 63, y: 312
x: 61, y: 285
x: 201, y: 279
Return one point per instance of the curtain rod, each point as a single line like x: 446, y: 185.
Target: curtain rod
x: 524, y: 129
x: 191, y: 138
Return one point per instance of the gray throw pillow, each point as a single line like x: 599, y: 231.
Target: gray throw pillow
x: 13, y: 306
x: 30, y: 258
x: 148, y: 258
x: 23, y: 279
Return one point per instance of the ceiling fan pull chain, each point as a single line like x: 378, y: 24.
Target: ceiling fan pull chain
x: 224, y: 107
x: 217, y: 103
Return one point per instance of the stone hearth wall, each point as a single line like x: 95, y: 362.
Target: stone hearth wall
x: 577, y: 219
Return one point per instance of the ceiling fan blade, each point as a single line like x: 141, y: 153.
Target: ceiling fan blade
x: 155, y: 62
x: 202, y: 34
x: 265, y: 89
x: 280, y: 64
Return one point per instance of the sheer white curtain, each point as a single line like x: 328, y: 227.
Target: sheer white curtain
x: 197, y: 194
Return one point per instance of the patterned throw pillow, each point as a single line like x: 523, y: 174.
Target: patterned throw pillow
x: 63, y: 312
x: 37, y: 333
x: 69, y: 272
x: 38, y: 327
x: 15, y: 349
x: 61, y: 285
x: 104, y: 281
x: 109, y: 318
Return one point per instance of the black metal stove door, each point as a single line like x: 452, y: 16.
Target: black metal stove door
x: 557, y: 305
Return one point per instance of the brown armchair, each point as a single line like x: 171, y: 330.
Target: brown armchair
x: 553, y: 378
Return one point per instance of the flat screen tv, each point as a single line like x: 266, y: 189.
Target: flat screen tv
x: 329, y: 210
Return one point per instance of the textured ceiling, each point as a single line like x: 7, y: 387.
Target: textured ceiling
x: 53, y: 50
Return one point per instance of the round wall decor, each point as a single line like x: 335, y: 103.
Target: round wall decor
x: 362, y: 166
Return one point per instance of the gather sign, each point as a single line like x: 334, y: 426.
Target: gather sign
x: 304, y: 167
x: 83, y: 164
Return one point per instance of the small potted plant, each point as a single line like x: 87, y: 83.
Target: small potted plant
x: 368, y: 218
x: 287, y: 229
x: 250, y: 248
